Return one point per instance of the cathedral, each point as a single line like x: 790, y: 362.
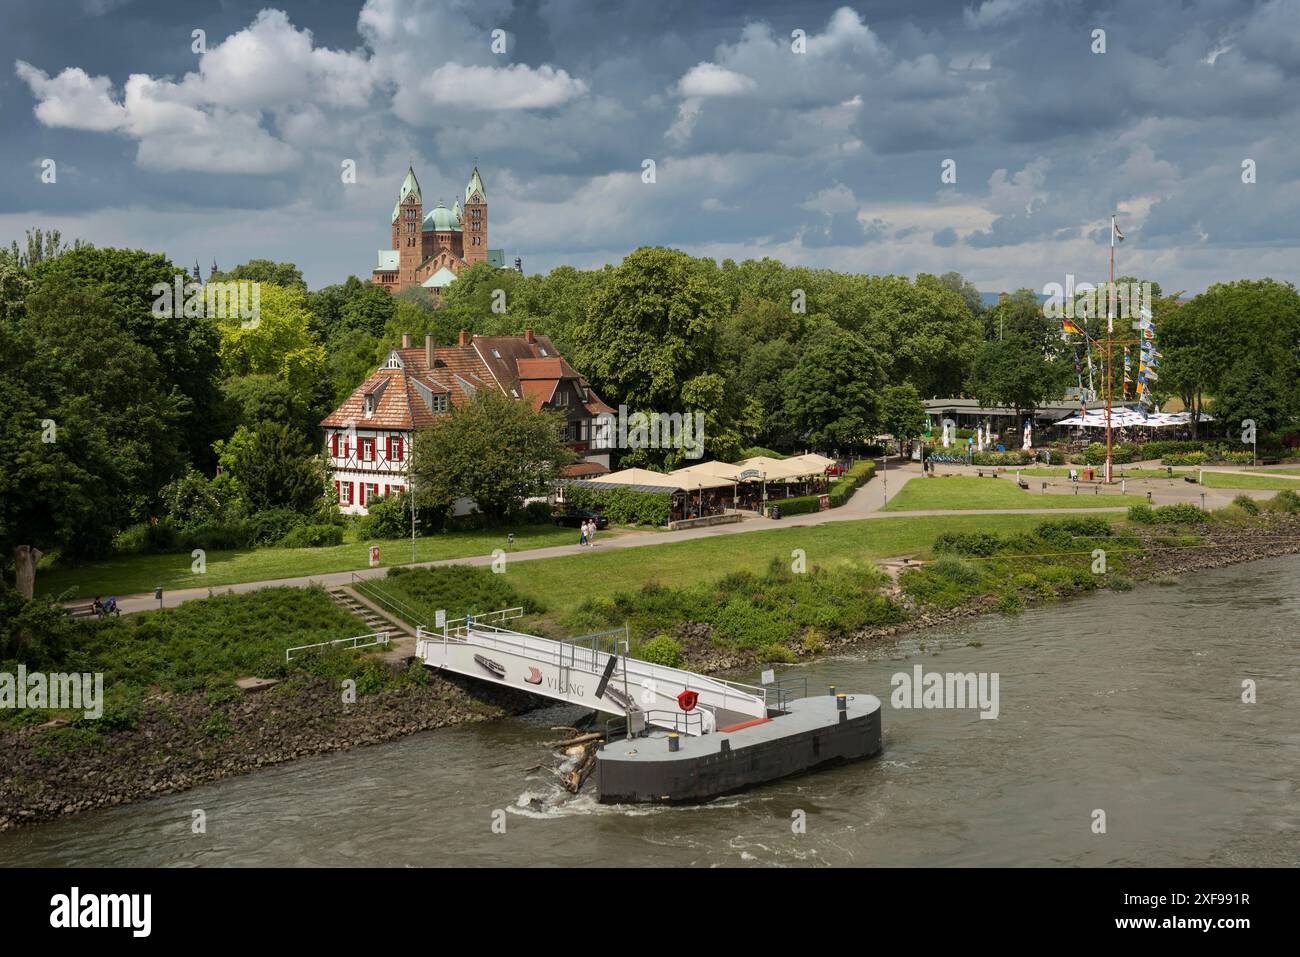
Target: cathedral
x: 430, y: 247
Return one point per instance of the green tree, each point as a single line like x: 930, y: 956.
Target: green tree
x: 88, y: 430
x: 286, y: 275
x: 278, y: 342
x: 833, y: 392
x: 185, y: 348
x: 271, y: 466
x: 901, y: 413
x: 493, y: 450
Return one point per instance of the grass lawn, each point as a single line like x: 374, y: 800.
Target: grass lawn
x: 132, y: 574
x: 1256, y: 480
x: 960, y: 491
x: 1259, y: 480
x: 561, y: 584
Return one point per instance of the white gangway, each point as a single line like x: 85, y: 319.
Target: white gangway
x: 579, y: 672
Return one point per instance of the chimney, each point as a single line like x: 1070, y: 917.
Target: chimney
x: 406, y: 340
x: 428, y: 351
x: 464, y: 339
x: 528, y: 335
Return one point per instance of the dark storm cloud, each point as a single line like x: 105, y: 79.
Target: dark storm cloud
x: 759, y: 150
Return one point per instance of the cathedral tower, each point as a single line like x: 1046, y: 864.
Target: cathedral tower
x: 474, y: 221
x: 408, y: 215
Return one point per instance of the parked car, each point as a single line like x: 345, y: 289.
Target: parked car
x: 573, y: 518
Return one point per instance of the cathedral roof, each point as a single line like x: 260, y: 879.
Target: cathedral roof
x: 442, y: 277
x: 409, y: 185
x: 440, y: 218
x: 475, y: 183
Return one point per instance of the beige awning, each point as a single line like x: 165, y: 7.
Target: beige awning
x: 816, y: 463
x: 774, y: 470
x: 707, y: 475
x: 642, y: 477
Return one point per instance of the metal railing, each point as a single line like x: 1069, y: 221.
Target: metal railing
x: 785, y: 690
x: 650, y: 678
x: 386, y: 601
x: 679, y: 721
x: 373, y: 640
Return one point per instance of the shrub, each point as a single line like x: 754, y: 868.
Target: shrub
x: 955, y: 570
x: 147, y: 539
x: 1286, y: 500
x: 1183, y: 513
x: 623, y: 506
x: 662, y: 650
x: 814, y: 643
x: 967, y: 543
x: 1095, y: 454
x: 1184, y: 458
x: 1010, y: 603
x: 537, y: 513
x: 218, y: 537
x: 1002, y: 458
x: 776, y: 653
x: 1247, y: 504
x: 191, y: 501
x: 313, y: 536
x: 388, y: 518
x: 1142, y: 514
x: 1065, y: 529
x: 270, y: 526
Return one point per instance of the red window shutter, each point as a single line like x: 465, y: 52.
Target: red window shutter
x: 334, y: 446
x: 401, y: 447
x: 338, y: 493
x: 345, y: 446
x: 388, y: 448
x: 387, y: 490
x: 349, y: 484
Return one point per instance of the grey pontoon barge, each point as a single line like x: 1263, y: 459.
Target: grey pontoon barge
x: 685, y: 737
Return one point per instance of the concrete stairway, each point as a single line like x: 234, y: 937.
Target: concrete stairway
x: 401, y: 635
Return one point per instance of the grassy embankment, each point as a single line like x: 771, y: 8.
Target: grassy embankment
x: 749, y: 600
x: 132, y: 574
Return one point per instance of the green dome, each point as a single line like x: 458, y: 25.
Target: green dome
x: 440, y: 218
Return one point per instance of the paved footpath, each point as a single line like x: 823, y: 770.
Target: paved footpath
x: 866, y: 503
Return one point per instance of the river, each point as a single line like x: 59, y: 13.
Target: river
x: 1129, y: 703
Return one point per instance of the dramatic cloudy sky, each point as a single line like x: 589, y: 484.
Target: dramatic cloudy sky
x: 831, y: 157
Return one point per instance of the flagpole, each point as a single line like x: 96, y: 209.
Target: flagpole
x: 1110, y: 331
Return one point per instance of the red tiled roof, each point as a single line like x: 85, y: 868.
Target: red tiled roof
x: 583, y: 470
x: 510, y: 363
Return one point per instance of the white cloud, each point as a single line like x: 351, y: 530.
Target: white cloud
x: 709, y: 79
x: 514, y: 87
x: 73, y: 99
x: 267, y: 93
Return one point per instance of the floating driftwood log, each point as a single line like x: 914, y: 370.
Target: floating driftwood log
x: 579, y: 755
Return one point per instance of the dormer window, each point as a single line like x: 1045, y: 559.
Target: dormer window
x: 369, y: 405
x: 496, y: 353
x: 543, y: 351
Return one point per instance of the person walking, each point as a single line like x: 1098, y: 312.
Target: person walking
x: 582, y: 540
x: 591, y: 534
